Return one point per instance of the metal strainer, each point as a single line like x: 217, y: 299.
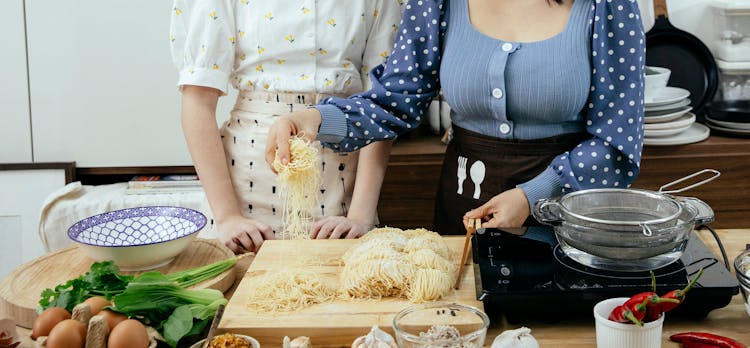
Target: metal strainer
x: 619, y: 209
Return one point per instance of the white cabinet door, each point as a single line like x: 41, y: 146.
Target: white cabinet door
x: 23, y: 192
x: 103, y: 84
x: 15, y: 129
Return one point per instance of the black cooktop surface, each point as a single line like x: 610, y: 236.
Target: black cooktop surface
x: 525, y: 274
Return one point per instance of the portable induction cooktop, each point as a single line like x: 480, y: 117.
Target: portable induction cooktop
x: 524, y: 274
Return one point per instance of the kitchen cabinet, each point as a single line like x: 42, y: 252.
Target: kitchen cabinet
x: 15, y: 129
x: 24, y: 188
x: 102, y: 83
x: 408, y: 193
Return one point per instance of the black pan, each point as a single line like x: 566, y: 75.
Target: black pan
x: 737, y: 111
x: 692, y: 64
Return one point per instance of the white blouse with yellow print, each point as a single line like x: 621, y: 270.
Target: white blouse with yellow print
x: 322, y: 46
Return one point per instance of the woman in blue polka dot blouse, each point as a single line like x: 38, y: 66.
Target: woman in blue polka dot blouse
x: 546, y: 97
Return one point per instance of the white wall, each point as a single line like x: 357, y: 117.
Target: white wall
x: 103, y: 84
x: 15, y: 133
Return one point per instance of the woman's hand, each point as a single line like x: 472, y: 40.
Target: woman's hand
x: 304, y: 123
x: 241, y: 234
x: 334, y: 227
x: 508, y: 209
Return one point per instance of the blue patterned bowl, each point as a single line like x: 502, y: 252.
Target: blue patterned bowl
x: 138, y: 238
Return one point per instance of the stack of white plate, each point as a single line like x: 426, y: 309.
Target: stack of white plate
x: 669, y: 120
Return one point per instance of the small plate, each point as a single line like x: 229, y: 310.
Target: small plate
x: 664, y: 116
x: 656, y: 133
x: 666, y: 107
x: 683, y: 122
x: 666, y: 95
x: 697, y: 132
x: 730, y: 125
x: 726, y: 130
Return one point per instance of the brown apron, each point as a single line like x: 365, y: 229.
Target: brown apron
x: 498, y: 165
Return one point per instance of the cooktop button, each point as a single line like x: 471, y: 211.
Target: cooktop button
x: 505, y: 271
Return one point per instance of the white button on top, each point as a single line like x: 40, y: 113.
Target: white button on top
x: 507, y: 47
x: 497, y: 93
x: 504, y: 128
x: 310, y: 34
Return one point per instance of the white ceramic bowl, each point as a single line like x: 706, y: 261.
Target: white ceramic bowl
x: 610, y: 334
x: 656, y: 79
x: 253, y: 342
x: 138, y: 238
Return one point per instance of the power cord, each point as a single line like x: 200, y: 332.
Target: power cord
x: 718, y: 242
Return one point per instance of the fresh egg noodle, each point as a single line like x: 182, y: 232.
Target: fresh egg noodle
x: 393, y: 262
x: 288, y: 290
x: 298, y: 181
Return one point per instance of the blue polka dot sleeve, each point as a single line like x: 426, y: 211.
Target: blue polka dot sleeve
x: 402, y: 89
x: 611, y: 158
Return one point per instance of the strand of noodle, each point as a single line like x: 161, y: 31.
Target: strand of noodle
x: 298, y: 183
x: 392, y: 262
x: 288, y: 290
x: 428, y: 285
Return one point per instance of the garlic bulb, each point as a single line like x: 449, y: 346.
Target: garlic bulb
x: 518, y: 338
x: 377, y: 338
x: 299, y: 342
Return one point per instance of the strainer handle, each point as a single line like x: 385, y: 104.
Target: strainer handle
x: 704, y: 213
x: 547, y: 211
x: 715, y: 175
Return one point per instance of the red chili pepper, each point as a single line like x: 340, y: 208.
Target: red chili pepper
x: 623, y: 314
x: 706, y: 338
x: 698, y: 345
x: 652, y: 302
x: 679, y: 294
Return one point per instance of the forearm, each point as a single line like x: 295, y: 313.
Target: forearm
x: 206, y: 149
x: 373, y: 161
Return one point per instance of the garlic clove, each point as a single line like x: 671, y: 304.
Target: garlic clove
x: 518, y: 338
x: 300, y: 342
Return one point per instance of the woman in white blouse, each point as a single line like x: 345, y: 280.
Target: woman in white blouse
x: 282, y: 56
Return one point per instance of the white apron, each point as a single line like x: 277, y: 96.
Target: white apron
x: 244, y: 136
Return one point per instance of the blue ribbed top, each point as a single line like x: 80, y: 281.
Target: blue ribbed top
x: 524, y: 90
x: 521, y: 90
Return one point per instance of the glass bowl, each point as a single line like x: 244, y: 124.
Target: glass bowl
x: 139, y: 238
x: 742, y: 270
x: 440, y: 325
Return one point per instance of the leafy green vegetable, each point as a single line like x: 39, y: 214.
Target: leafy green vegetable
x: 104, y: 279
x: 155, y: 299
x: 158, y: 301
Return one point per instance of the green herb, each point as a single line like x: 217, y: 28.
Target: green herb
x: 104, y: 279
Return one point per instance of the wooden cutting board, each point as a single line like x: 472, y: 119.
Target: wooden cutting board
x: 20, y: 290
x: 336, y: 323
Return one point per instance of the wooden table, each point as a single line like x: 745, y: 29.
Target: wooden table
x: 731, y: 321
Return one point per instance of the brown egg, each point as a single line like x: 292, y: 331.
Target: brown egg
x: 44, y: 323
x: 68, y: 333
x: 112, y: 318
x: 128, y: 334
x: 97, y: 303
